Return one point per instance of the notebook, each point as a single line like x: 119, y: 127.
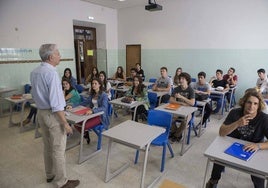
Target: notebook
x: 80, y: 110
x: 172, y: 106
x: 236, y: 150
x: 16, y: 96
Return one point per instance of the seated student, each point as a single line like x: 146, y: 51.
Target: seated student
x: 202, y: 88
x: 140, y: 72
x: 32, y: 114
x: 232, y: 79
x: 163, y: 83
x: 97, y: 102
x: 71, y: 95
x: 133, y: 72
x: 120, y: 74
x: 94, y: 74
x: 105, y: 84
x: 68, y: 75
x: 138, y: 92
x: 176, y: 80
x: 183, y: 95
x: 262, y: 83
x: 218, y: 82
x: 246, y: 123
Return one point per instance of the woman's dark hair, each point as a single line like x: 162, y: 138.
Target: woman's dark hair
x: 141, y: 86
x: 252, y: 92
x: 176, y: 77
x: 65, y: 70
x: 96, y: 75
x: 69, y: 82
x: 186, y: 76
x: 104, y: 83
x: 92, y: 91
x: 119, y: 75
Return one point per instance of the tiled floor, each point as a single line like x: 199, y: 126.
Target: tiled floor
x: 21, y: 162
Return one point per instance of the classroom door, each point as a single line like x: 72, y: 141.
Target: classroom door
x: 85, y: 51
x: 133, y: 56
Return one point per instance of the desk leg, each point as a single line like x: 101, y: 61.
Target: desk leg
x: 144, y: 166
x: 206, y: 172
x: 201, y: 122
x: 108, y: 174
x: 185, y: 137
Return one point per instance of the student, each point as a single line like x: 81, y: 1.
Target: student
x: 120, y: 74
x: 68, y: 75
x: 231, y: 77
x: 246, y: 123
x: 176, y: 80
x: 140, y: 72
x: 163, y: 83
x: 183, y: 95
x: 105, y: 84
x: 97, y: 102
x: 138, y: 92
x: 47, y: 94
x: 94, y: 74
x: 202, y: 88
x: 133, y: 73
x: 71, y: 95
x: 262, y: 82
x: 218, y: 82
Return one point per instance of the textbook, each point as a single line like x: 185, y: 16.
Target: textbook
x: 172, y: 106
x: 236, y: 150
x: 80, y: 110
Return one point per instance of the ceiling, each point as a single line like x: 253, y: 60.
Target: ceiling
x: 115, y: 4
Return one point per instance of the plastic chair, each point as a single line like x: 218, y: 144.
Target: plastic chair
x: 152, y: 80
x: 27, y: 88
x: 162, y: 119
x: 79, y: 88
x: 152, y: 100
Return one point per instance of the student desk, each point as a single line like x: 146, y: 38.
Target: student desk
x: 219, y: 94
x: 186, y: 113
x: 256, y: 166
x: 160, y: 94
x: 202, y: 105
x: 135, y: 135
x: 134, y: 104
x: 2, y: 91
x: 74, y: 119
x: 25, y: 98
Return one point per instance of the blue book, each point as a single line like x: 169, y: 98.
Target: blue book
x: 236, y: 150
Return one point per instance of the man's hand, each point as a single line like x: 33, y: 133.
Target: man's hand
x: 244, y: 120
x: 68, y: 128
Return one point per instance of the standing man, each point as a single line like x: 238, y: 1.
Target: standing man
x: 48, y: 96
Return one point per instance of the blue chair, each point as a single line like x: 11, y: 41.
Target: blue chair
x: 193, y: 80
x: 152, y: 80
x: 162, y: 119
x: 79, y: 88
x: 152, y: 100
x: 27, y: 88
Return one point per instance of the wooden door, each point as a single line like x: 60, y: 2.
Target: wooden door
x: 133, y: 56
x: 85, y: 51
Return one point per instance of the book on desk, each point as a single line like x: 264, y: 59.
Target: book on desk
x: 80, y: 110
x: 237, y: 150
x: 172, y: 106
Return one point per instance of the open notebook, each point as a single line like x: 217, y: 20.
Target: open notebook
x: 80, y: 110
x: 236, y: 150
x: 172, y: 106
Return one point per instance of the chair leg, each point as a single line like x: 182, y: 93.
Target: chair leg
x: 137, y: 157
x: 163, y: 159
x: 170, y: 149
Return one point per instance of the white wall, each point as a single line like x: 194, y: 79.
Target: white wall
x: 29, y: 23
x: 199, y: 36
